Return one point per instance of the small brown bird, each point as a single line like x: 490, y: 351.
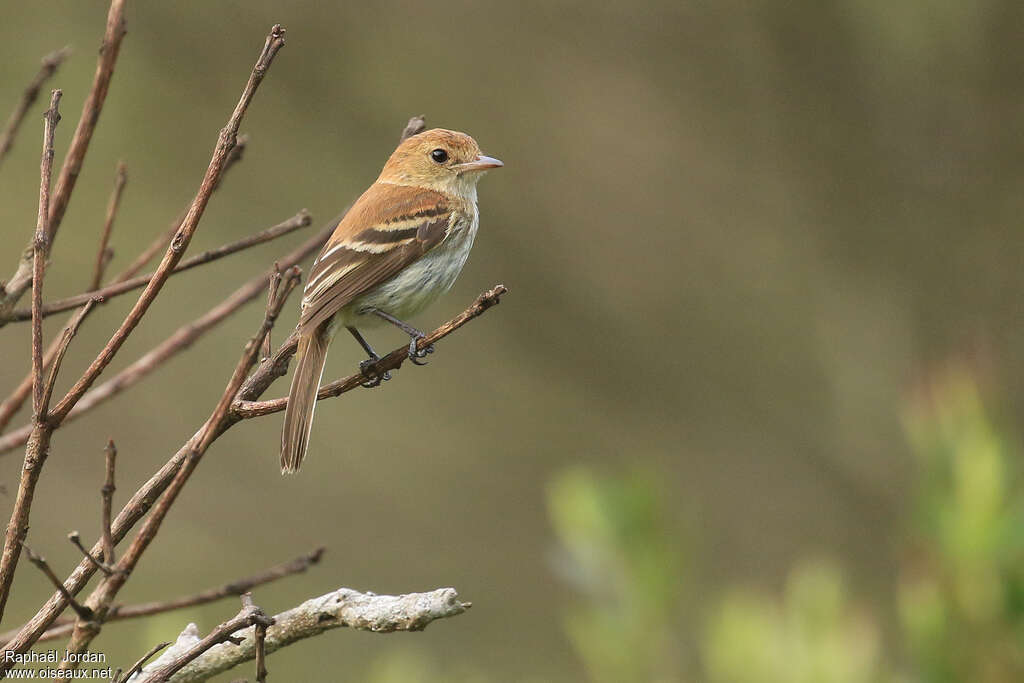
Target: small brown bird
x: 399, y: 247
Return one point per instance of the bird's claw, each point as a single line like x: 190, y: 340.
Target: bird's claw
x: 415, y: 354
x: 368, y: 368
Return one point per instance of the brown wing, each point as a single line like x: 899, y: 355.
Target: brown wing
x: 388, y: 228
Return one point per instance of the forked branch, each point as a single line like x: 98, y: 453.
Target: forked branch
x: 300, y: 220
x: 17, y: 284
x: 39, y: 441
x: 240, y: 399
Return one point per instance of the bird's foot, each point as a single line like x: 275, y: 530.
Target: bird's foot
x: 415, y: 354
x: 368, y: 368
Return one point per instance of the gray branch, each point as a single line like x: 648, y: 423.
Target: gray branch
x: 343, y: 607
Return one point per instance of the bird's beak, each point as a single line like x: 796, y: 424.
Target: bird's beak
x: 481, y: 163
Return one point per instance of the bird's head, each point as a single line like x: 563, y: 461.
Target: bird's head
x: 439, y: 159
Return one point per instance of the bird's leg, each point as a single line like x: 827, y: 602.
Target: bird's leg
x: 368, y: 366
x: 414, y: 334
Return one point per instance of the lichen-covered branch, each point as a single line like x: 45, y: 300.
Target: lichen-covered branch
x: 251, y: 615
x: 343, y: 607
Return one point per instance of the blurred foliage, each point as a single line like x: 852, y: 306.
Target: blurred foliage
x: 813, y: 634
x: 621, y: 552
x: 959, y: 592
x: 962, y: 593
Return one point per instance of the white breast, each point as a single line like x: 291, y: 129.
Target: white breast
x: 421, y: 282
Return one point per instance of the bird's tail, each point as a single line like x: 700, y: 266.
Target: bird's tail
x: 298, y: 416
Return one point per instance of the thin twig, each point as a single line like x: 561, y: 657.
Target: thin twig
x: 144, y: 498
x: 102, y: 597
x: 12, y: 404
x: 63, y: 627
x: 76, y: 540
x: 275, y: 283
x: 104, y: 294
x: 49, y: 67
x: 163, y: 239
x: 416, y: 125
x: 40, y: 562
x: 225, y: 141
x: 260, y: 638
x: 38, y: 445
x: 249, y: 615
x: 40, y: 252
x: 340, y: 608
x: 211, y: 430
x: 104, y: 253
x: 39, y: 440
x: 142, y: 501
x: 180, y: 340
x: 38, y: 448
x: 107, y: 497
x: 91, y: 109
x: 137, y: 666
x: 69, y: 171
x: 70, y: 330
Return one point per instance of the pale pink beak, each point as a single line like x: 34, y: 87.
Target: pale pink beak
x: 481, y: 163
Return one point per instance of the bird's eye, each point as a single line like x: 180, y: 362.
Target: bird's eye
x: 439, y: 155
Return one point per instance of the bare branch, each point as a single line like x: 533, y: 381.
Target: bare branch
x: 150, y: 491
x: 91, y: 109
x: 169, y: 476
x: 39, y: 442
x: 172, y: 661
x: 62, y: 342
x: 260, y: 637
x: 416, y: 125
x: 274, y: 284
x: 249, y: 409
x: 104, y: 253
x: 63, y: 627
x: 343, y: 607
x: 107, y: 496
x: 38, y: 445
x: 12, y: 404
x: 44, y: 567
x: 181, y: 339
x: 109, y: 49
x: 101, y: 598
x: 40, y: 252
x: 139, y: 664
x: 76, y: 540
x: 299, y: 220
x: 49, y: 67
x: 164, y: 238
x: 226, y: 140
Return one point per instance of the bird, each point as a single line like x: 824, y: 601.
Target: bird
x: 399, y: 247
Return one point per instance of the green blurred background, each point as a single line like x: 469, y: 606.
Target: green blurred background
x: 739, y: 238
